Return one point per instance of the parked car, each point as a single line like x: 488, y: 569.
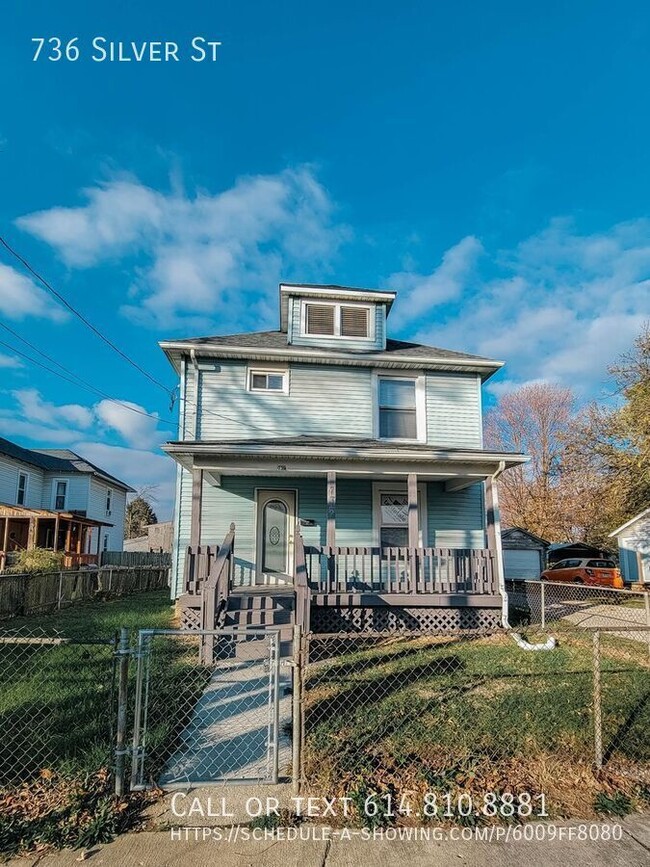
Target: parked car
x: 600, y: 573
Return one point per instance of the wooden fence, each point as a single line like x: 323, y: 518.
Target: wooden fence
x: 160, y: 559
x: 23, y: 594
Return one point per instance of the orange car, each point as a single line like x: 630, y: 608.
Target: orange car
x: 601, y: 573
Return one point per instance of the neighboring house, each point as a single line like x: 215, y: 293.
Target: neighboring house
x: 158, y: 538
x: 562, y: 550
x: 524, y: 554
x: 54, y: 498
x: 633, y: 539
x: 374, y: 445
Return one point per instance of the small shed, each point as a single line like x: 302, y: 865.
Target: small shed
x: 524, y: 554
x: 633, y: 539
x: 563, y: 550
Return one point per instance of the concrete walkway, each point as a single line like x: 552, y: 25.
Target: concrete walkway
x: 157, y: 849
x: 227, y: 736
x: 611, y: 617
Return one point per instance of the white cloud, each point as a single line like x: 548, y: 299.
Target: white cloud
x: 209, y: 256
x: 10, y: 361
x: 560, y: 306
x: 138, y: 468
x: 35, y: 408
x: 20, y: 297
x: 140, y: 431
x: 420, y: 292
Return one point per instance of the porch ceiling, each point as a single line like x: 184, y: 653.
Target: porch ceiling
x: 310, y: 456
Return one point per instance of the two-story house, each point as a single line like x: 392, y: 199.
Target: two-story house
x: 346, y: 460
x: 55, y: 499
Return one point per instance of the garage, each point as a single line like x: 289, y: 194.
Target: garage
x: 524, y: 554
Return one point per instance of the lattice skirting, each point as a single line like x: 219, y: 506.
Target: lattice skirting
x: 191, y: 618
x: 399, y: 619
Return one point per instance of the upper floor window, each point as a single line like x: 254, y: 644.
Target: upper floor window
x: 60, y: 492
x: 268, y: 380
x: 21, y: 494
x: 109, y: 500
x: 398, y: 411
x: 336, y: 320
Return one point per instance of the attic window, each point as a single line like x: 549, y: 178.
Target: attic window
x: 337, y: 320
x: 354, y: 321
x: 320, y: 319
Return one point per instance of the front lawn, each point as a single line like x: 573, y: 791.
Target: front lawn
x: 478, y: 715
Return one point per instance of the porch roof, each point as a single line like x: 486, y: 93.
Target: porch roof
x: 304, y: 453
x: 7, y: 510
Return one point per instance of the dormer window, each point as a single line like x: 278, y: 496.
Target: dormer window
x: 336, y: 320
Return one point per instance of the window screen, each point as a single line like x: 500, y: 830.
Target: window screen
x: 61, y: 489
x: 397, y: 412
x: 354, y: 321
x: 320, y: 319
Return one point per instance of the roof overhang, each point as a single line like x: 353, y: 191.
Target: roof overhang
x: 643, y: 514
x: 332, y: 293
x: 279, y: 459
x: 175, y: 350
x: 8, y: 510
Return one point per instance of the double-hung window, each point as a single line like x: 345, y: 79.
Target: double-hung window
x: 398, y: 411
x: 109, y: 501
x: 21, y: 494
x: 60, y: 492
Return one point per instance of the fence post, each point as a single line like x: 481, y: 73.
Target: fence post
x: 296, y: 727
x: 60, y: 592
x: 646, y: 600
x: 543, y: 602
x: 123, y: 653
x: 598, y: 710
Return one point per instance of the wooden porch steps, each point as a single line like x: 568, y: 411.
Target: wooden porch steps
x: 263, y: 608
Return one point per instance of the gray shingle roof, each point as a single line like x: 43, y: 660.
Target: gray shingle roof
x: 56, y: 460
x: 278, y: 340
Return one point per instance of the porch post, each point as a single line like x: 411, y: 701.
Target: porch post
x: 55, y: 547
x: 331, y: 510
x: 413, y: 524
x: 5, y: 540
x: 99, y: 544
x: 494, y: 537
x: 197, y: 496
x: 30, y: 534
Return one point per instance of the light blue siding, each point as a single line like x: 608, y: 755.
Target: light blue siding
x: 455, y: 520
x: 321, y: 400
x: 453, y: 410
x: 378, y: 341
x: 9, y: 470
x: 77, y: 491
x: 97, y: 509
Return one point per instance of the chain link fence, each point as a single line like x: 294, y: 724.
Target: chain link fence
x: 57, y: 704
x: 424, y: 715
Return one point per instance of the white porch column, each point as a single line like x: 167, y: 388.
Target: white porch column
x: 413, y: 523
x: 331, y: 510
x: 197, y: 497
x: 494, y: 537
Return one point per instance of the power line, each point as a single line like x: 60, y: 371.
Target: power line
x: 83, y: 319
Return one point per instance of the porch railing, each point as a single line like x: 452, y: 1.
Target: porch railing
x: 301, y: 583
x: 215, y: 592
x: 401, y: 570
x: 198, y: 565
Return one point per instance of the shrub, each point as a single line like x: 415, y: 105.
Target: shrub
x: 37, y: 560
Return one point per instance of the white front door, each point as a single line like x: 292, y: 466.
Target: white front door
x: 276, y: 518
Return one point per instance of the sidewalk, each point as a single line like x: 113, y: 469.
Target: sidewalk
x: 157, y: 849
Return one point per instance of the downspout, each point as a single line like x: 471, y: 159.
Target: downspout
x: 550, y: 643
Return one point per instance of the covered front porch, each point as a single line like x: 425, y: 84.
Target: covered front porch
x: 22, y: 529
x: 365, y: 526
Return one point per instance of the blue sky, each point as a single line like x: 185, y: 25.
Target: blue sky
x: 489, y: 161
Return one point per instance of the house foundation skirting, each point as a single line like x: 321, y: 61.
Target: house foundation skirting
x: 394, y: 618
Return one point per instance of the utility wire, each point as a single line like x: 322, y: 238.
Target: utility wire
x: 86, y: 321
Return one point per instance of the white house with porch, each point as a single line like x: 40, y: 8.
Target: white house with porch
x: 351, y: 465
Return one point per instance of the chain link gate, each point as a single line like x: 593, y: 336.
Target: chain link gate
x: 202, y: 724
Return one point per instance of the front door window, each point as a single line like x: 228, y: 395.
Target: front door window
x: 275, y: 542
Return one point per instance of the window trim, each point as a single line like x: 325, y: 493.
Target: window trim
x: 379, y: 488
x: 337, y: 319
x: 55, y: 485
x: 24, y: 475
x: 420, y: 405
x: 266, y: 371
